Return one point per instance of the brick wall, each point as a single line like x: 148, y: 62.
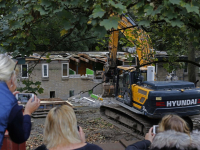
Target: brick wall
x: 161, y: 74
x: 61, y: 86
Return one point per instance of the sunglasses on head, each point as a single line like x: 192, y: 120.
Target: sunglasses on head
x: 16, y: 61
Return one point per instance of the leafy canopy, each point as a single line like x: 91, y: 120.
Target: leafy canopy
x: 172, y: 24
x: 23, y: 23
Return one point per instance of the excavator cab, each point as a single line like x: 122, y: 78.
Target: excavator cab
x: 126, y: 77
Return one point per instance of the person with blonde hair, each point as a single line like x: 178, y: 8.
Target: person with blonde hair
x: 62, y: 133
x: 173, y: 122
x: 173, y: 134
x: 12, y: 118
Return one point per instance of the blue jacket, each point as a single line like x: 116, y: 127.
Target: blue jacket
x: 11, y: 117
x: 7, y: 101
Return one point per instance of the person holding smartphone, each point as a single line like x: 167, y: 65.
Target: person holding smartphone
x: 12, y: 118
x: 62, y: 133
x: 173, y: 134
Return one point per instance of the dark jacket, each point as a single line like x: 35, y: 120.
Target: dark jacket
x: 169, y: 140
x: 88, y: 146
x: 11, y: 117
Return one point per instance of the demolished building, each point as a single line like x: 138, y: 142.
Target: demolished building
x: 63, y: 75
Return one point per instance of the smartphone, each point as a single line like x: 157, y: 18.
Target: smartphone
x: 24, y: 97
x: 78, y: 128
x: 155, y: 129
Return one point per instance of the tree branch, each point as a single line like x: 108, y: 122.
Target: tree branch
x: 167, y: 61
x: 123, y: 28
x: 83, y: 39
x: 158, y: 21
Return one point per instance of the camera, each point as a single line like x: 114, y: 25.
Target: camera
x: 155, y: 129
x: 24, y: 97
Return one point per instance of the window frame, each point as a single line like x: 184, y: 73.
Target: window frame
x: 43, y: 70
x: 22, y: 70
x: 67, y: 70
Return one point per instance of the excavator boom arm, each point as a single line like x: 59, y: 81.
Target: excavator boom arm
x: 135, y: 35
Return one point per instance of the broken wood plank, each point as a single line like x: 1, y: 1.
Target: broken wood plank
x: 84, y: 59
x: 74, y: 59
x: 90, y: 58
x: 102, y: 59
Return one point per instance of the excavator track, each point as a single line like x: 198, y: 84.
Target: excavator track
x: 135, y: 124
x: 196, y: 122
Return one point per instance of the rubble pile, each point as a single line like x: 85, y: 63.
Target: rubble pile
x: 78, y: 100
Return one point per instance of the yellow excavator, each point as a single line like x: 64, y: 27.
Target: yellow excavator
x: 140, y: 104
x: 138, y: 37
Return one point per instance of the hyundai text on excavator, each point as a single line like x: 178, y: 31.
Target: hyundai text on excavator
x: 140, y: 104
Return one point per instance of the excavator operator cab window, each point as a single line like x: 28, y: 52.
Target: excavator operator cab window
x: 120, y: 87
x: 126, y: 79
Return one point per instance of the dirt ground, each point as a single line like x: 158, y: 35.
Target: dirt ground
x: 96, y: 129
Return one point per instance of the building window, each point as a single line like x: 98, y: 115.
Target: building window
x: 52, y: 94
x: 71, y: 93
x: 24, y: 71
x: 45, y: 69
x: 65, y: 70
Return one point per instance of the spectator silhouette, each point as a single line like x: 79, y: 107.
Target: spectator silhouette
x: 61, y: 132
x: 173, y: 134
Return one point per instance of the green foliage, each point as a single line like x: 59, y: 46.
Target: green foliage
x: 144, y: 23
x: 97, y: 48
x: 129, y: 58
x: 31, y: 87
x: 173, y: 24
x: 111, y: 22
x: 43, y: 25
x: 98, y: 11
x: 175, y: 1
x: 191, y: 8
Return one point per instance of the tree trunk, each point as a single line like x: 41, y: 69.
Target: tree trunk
x: 191, y: 67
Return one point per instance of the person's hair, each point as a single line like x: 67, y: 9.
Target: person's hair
x: 7, y: 71
x: 173, y: 122
x: 60, y: 127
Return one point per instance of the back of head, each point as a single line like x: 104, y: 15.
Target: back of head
x: 61, y: 127
x: 7, y: 66
x: 173, y: 122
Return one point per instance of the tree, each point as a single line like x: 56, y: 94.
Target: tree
x: 21, y: 21
x: 173, y: 26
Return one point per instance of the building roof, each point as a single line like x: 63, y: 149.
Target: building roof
x: 100, y: 57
